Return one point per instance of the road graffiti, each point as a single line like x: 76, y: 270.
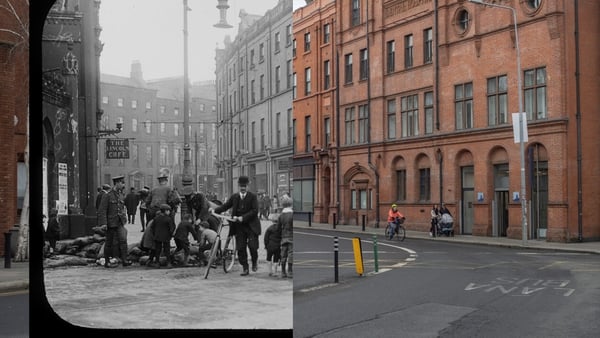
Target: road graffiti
x: 523, y: 286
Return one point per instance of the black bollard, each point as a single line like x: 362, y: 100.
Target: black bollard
x: 310, y: 219
x: 335, y: 258
x: 7, y: 250
x: 363, y: 222
x: 334, y: 220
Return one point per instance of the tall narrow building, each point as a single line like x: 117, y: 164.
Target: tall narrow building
x: 254, y: 96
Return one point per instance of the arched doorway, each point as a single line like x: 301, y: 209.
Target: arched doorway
x: 359, y: 193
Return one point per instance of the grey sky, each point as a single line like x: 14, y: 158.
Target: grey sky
x: 151, y: 31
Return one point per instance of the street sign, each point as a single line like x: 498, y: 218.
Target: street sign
x: 117, y: 149
x: 516, y: 130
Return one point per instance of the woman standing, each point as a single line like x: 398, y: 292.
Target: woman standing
x: 435, y: 217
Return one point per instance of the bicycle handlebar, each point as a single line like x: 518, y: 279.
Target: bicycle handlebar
x: 227, y: 218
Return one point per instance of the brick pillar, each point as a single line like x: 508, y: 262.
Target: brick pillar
x: 8, y: 173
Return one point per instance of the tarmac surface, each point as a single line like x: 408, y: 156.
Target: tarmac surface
x: 141, y: 297
x: 583, y: 247
x: 17, y: 276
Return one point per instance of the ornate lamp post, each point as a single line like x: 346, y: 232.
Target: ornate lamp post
x: 187, y: 179
x: 223, y: 6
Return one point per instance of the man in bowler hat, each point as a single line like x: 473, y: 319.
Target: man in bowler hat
x: 112, y: 214
x: 244, y: 210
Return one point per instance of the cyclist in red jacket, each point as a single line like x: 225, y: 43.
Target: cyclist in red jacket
x: 394, y: 214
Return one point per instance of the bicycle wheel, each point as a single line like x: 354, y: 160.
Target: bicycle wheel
x: 401, y: 234
x: 211, y: 258
x: 228, y: 254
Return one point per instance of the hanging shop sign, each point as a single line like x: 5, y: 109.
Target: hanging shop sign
x: 117, y: 149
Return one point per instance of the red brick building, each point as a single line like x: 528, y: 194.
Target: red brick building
x: 14, y: 90
x: 314, y: 108
x: 426, y: 91
x: 151, y: 115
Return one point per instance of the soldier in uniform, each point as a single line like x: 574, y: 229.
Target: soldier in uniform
x: 112, y: 214
x: 163, y: 194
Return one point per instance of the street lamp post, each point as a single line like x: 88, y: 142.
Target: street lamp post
x: 186, y: 180
x: 523, y: 199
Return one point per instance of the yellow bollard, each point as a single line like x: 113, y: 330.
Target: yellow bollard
x: 358, y: 260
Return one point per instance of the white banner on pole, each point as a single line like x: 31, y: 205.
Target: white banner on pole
x: 63, y: 189
x: 516, y: 131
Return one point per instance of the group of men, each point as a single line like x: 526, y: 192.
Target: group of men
x: 115, y: 211
x: 243, y: 206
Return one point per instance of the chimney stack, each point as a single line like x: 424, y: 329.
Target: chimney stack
x: 136, y: 72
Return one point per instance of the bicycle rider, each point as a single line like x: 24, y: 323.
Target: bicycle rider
x: 393, y: 216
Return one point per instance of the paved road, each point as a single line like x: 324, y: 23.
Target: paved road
x: 451, y: 290
x: 140, y: 297
x: 316, y: 258
x: 14, y: 314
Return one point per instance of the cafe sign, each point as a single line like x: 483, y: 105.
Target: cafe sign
x: 117, y: 149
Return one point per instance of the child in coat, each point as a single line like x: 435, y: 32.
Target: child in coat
x: 163, y: 228
x: 286, y: 222
x: 272, y: 241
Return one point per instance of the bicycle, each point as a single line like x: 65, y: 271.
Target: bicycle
x: 225, y: 255
x: 400, y: 232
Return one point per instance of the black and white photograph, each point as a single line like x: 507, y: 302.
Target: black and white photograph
x: 166, y: 142
x: 305, y: 168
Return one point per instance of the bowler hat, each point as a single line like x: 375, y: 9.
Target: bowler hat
x: 106, y: 186
x: 243, y: 180
x: 147, y: 187
x: 162, y: 177
x: 164, y: 207
x: 116, y: 179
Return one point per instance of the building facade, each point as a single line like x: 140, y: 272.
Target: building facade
x: 254, y: 96
x: 150, y: 114
x: 70, y: 82
x: 426, y: 91
x: 315, y: 113
x: 14, y: 94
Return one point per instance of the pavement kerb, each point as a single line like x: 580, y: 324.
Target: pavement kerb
x: 12, y: 286
x: 586, y: 247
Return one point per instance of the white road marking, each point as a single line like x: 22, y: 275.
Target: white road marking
x: 412, y: 256
x: 318, y: 287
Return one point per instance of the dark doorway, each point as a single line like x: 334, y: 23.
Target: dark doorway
x: 501, y: 187
x: 501, y: 213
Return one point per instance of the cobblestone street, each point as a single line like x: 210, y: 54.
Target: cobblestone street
x: 177, y: 298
